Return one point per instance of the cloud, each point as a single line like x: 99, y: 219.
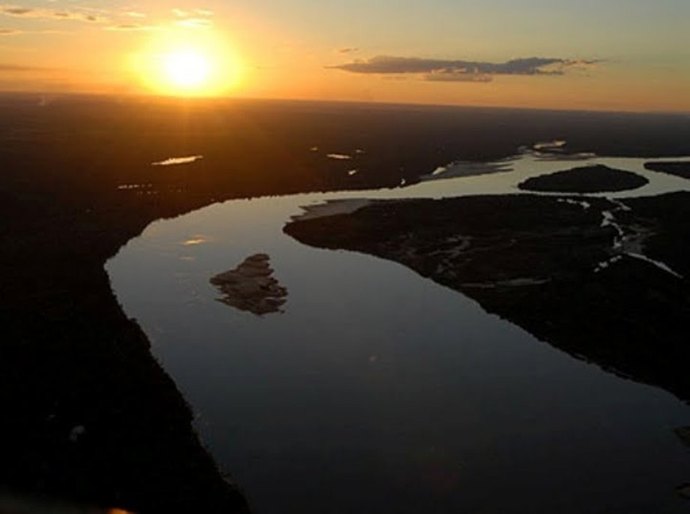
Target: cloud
x: 121, y: 20
x: 192, y: 13
x: 19, y: 68
x: 348, y: 50
x: 194, y: 23
x: 452, y: 76
x: 440, y: 70
x: 54, y: 14
x: 15, y: 11
x: 193, y: 18
x: 132, y: 27
x: 14, y: 32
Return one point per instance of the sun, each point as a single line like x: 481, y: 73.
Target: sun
x: 179, y: 64
x: 187, y: 69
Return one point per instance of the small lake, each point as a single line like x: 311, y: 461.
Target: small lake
x: 380, y: 391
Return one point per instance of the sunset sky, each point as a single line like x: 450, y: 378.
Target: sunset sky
x: 629, y: 55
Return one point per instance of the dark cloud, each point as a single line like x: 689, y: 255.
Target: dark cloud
x: 441, y: 70
x: 131, y: 27
x: 452, y: 76
x: 27, y: 12
x: 126, y: 26
x: 16, y: 11
x: 348, y: 50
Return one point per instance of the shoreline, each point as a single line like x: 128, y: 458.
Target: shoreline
x: 539, y: 263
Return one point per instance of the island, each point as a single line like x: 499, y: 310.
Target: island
x: 585, y: 179
x: 251, y: 286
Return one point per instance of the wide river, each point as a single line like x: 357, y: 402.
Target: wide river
x: 380, y: 391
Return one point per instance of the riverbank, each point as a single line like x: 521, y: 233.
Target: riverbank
x: 611, y: 292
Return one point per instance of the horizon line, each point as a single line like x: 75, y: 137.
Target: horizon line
x: 194, y: 99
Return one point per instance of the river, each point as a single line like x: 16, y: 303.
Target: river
x: 377, y: 390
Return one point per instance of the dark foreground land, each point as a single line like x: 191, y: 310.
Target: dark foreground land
x: 90, y: 416
x: 550, y: 266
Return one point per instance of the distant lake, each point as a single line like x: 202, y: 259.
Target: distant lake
x: 380, y: 391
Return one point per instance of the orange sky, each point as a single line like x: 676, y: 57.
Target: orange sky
x: 440, y: 51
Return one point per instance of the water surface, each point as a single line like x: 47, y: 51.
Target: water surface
x: 380, y: 391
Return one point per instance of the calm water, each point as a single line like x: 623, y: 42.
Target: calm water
x: 380, y: 391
